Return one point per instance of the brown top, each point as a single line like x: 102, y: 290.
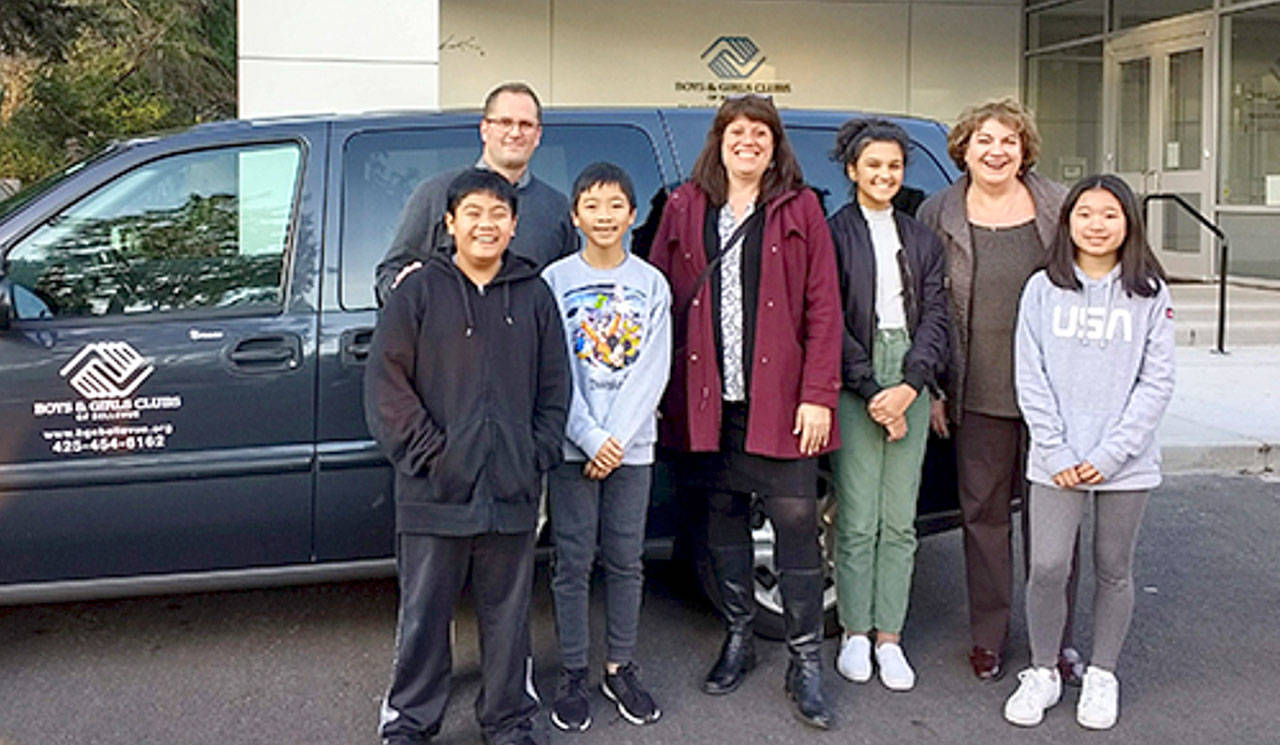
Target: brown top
x: 1003, y: 260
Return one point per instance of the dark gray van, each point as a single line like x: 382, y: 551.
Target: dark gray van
x: 184, y: 321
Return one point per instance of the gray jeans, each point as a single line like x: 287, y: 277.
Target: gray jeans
x: 612, y: 512
x: 1055, y: 517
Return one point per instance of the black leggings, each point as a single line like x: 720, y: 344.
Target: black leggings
x: 795, y: 525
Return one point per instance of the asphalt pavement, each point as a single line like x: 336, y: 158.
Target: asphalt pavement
x: 309, y: 664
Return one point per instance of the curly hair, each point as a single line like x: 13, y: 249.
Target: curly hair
x: 1008, y: 112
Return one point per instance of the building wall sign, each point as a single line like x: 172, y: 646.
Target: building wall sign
x: 736, y: 63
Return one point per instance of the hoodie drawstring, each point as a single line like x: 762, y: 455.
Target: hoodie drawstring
x: 506, y: 303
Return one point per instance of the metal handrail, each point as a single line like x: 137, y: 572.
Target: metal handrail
x: 1222, y: 258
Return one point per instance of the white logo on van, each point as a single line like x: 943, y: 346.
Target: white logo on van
x: 1092, y: 323
x: 106, y: 369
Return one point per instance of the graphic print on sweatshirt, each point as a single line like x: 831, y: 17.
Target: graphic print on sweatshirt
x: 1092, y: 323
x: 605, y: 326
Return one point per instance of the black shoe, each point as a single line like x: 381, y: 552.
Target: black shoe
x: 1070, y: 667
x: 633, y: 701
x: 571, y: 710
x: 802, y: 611
x: 732, y: 566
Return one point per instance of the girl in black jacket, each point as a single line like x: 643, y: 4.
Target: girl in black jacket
x: 895, y: 345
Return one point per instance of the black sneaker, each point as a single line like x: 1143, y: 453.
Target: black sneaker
x: 634, y: 702
x: 571, y: 711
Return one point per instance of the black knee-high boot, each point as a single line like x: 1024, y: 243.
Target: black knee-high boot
x: 732, y: 566
x: 802, y: 610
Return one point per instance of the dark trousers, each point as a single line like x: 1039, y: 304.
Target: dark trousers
x: 432, y: 572
x: 795, y: 525
x: 612, y: 511
x: 991, y: 457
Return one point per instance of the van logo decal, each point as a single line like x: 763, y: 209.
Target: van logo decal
x: 733, y: 57
x: 106, y: 369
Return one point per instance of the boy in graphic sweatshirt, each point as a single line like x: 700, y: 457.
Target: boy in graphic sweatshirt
x: 466, y: 391
x: 616, y: 311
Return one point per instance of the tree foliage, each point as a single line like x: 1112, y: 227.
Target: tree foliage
x: 140, y: 66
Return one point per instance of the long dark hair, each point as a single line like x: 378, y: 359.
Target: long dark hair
x: 1140, y: 271
x: 783, y: 173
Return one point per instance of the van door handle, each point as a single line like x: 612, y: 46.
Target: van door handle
x: 353, y: 345
x: 266, y: 353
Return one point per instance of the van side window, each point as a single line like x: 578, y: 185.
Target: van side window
x: 381, y: 170
x: 200, y: 230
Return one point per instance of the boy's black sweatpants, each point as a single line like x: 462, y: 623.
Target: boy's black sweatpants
x: 432, y: 572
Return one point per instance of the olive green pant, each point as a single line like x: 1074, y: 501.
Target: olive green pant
x: 876, y: 483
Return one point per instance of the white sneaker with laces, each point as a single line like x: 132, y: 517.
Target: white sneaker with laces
x: 895, y: 671
x: 1039, y: 688
x: 1099, y: 705
x: 854, y: 660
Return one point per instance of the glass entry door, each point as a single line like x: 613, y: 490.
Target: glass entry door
x: 1158, y: 114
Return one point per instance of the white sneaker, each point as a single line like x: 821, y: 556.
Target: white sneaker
x: 1038, y: 689
x: 895, y: 671
x: 1099, y: 705
x: 854, y: 660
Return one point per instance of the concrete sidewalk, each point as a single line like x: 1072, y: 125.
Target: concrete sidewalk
x: 1225, y: 413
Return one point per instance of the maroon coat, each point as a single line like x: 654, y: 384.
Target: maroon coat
x: 797, y: 335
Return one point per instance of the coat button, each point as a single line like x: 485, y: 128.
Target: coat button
x: 686, y: 256
x: 768, y: 304
x: 693, y: 357
x: 706, y: 392
x: 695, y: 302
x: 764, y: 360
x: 774, y: 249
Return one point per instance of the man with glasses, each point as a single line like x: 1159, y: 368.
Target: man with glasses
x: 510, y: 130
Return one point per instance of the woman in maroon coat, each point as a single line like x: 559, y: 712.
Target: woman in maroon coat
x: 756, y: 375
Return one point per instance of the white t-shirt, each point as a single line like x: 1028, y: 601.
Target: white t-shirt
x: 884, y: 239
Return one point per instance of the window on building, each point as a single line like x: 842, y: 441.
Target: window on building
x: 1064, y: 89
x: 200, y: 230
x: 1130, y: 13
x: 1249, y: 155
x: 1061, y: 22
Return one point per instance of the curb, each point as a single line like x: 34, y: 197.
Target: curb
x: 1247, y: 457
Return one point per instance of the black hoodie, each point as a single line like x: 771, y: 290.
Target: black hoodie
x: 466, y: 391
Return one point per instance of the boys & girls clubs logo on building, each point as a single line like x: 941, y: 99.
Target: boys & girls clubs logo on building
x: 733, y: 60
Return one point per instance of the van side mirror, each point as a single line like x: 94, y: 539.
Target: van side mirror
x: 6, y: 302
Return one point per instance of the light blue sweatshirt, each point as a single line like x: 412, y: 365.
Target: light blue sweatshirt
x: 1094, y: 374
x: 617, y: 324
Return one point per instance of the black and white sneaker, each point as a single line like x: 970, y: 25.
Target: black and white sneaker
x: 634, y: 702
x: 571, y: 710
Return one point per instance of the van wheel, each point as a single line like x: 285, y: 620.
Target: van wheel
x: 769, y: 623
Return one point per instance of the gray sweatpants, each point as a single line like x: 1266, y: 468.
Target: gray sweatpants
x: 614, y: 510
x: 1055, y: 518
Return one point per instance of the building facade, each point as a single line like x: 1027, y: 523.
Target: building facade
x: 1178, y: 96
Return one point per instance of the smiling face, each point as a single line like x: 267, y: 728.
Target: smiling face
x: 481, y: 226
x: 510, y: 131
x: 604, y: 215
x: 877, y: 173
x: 994, y: 155
x: 1098, y: 227
x: 746, y: 149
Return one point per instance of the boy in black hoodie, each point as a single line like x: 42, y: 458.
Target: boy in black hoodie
x: 466, y: 391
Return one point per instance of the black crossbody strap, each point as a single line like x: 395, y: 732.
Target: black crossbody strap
x: 738, y: 233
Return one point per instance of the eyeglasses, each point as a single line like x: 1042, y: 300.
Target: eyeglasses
x: 506, y: 124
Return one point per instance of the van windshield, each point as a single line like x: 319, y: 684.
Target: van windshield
x: 30, y: 192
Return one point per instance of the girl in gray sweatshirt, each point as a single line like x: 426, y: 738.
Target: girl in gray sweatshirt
x: 1094, y: 372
